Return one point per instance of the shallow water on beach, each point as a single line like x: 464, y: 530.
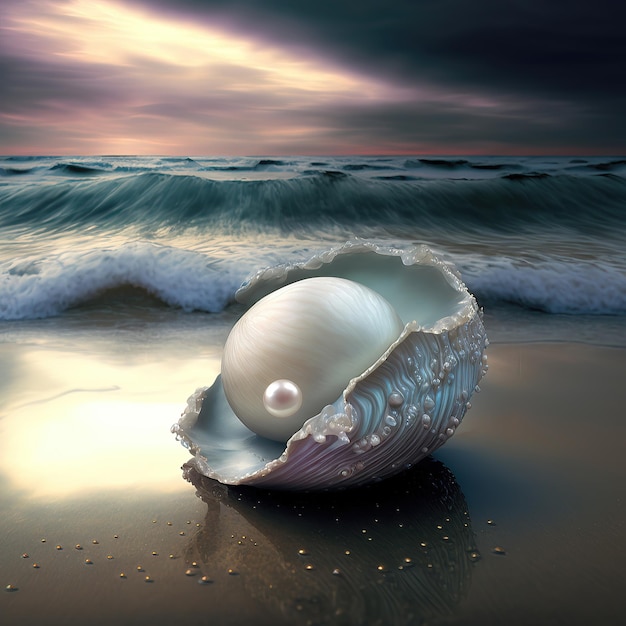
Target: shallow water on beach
x: 519, y: 513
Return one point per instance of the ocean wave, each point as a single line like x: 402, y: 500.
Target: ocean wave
x: 177, y: 160
x: 16, y: 171
x: 156, y: 199
x: 360, y: 167
x: 76, y: 168
x: 526, y: 175
x: 23, y: 158
x: 495, y: 166
x: 445, y: 163
x: 32, y: 289
x: 572, y: 287
x: 396, y: 177
x: 194, y: 281
x: 255, y: 165
x: 608, y: 165
x: 545, y: 234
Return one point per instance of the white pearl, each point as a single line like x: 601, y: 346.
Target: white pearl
x: 282, y: 398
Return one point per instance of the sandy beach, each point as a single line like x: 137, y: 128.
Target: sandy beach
x: 518, y: 519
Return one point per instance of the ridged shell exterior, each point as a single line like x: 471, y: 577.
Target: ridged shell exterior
x: 399, y: 411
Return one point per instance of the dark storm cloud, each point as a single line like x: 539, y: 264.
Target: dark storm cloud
x: 452, y: 128
x: 549, y: 55
x: 36, y: 85
x: 557, y: 47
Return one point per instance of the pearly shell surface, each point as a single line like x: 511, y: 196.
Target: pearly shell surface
x: 400, y: 409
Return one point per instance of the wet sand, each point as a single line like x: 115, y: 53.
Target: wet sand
x: 519, y: 519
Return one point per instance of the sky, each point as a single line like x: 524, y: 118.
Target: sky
x: 282, y: 77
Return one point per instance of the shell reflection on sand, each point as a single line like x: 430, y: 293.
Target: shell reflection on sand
x: 408, y: 402
x: 398, y: 552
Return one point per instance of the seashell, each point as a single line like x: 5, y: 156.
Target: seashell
x: 350, y: 367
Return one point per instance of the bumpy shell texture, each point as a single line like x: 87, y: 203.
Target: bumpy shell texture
x: 400, y: 410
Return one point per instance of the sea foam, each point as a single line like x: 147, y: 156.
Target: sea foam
x: 573, y: 287
x: 196, y: 281
x: 180, y: 278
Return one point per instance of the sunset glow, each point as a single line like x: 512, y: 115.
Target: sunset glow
x: 110, y: 34
x: 236, y: 89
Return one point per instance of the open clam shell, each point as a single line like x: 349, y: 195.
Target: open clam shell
x: 399, y: 410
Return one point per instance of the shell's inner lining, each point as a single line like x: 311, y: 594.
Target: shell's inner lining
x: 418, y: 292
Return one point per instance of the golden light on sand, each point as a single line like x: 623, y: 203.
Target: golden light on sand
x: 85, y: 448
x: 82, y: 424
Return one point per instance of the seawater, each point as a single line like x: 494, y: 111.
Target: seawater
x: 538, y: 234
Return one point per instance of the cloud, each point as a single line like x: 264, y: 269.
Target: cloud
x: 556, y: 46
x: 237, y: 77
x: 126, y: 74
